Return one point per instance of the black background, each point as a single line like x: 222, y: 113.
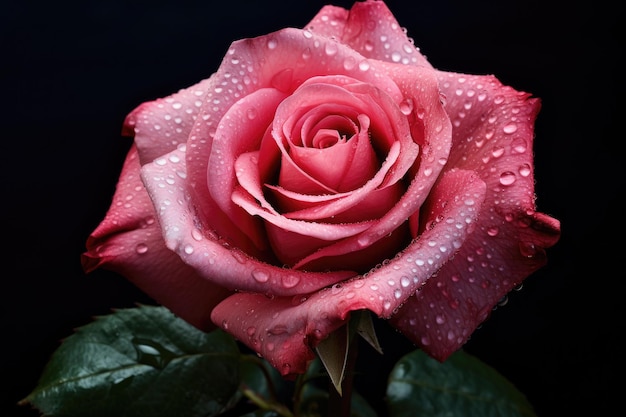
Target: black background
x: 71, y: 72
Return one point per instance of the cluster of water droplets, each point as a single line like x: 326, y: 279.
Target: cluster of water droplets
x: 502, y: 115
x: 374, y: 36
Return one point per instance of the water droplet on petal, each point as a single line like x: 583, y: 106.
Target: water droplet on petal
x: 524, y: 170
x: 510, y: 128
x: 196, y: 235
x: 141, y: 248
x: 364, y: 241
x: 290, y: 280
x: 497, y: 151
x: 349, y: 63
x: 493, y: 231
x: 406, y: 107
x: 331, y: 48
x: 260, y: 275
x: 251, y: 113
x: 507, y: 178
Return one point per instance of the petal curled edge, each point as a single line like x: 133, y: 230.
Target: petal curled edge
x: 128, y: 241
x: 212, y: 258
x: 284, y: 330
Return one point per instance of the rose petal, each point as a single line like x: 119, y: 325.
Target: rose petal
x: 325, y: 231
x: 329, y: 22
x: 241, y: 131
x: 212, y: 258
x: 373, y: 30
x: 128, y: 241
x: 160, y: 125
x: 509, y: 242
x: 421, y: 86
x: 281, y: 60
x: 284, y: 330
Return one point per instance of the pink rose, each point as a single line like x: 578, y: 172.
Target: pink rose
x: 325, y: 170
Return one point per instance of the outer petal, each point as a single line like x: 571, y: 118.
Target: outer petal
x: 372, y: 30
x: 212, y: 258
x: 160, y: 125
x: 284, y: 330
x: 128, y: 241
x: 492, y: 135
x: 330, y: 22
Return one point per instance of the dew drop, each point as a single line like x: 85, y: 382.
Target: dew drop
x: 196, y: 234
x: 510, y: 128
x: 493, y: 231
x: 290, y: 280
x: 524, y: 170
x: 519, y: 146
x: 141, y: 248
x: 152, y: 353
x: 349, y: 63
x: 239, y: 256
x: 272, y: 44
x: 260, y: 275
x: 406, y: 107
x: 364, y: 65
x: 364, y: 241
x: 497, y: 152
x: 188, y: 249
x: 251, y: 113
x: 331, y: 48
x: 507, y: 178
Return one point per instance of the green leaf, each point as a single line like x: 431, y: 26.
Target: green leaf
x: 460, y: 386
x: 257, y: 374
x: 141, y: 361
x: 313, y: 398
x: 263, y: 385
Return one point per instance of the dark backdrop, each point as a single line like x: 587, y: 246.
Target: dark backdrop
x: 71, y: 72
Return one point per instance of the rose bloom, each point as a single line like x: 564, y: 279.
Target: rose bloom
x: 325, y: 170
